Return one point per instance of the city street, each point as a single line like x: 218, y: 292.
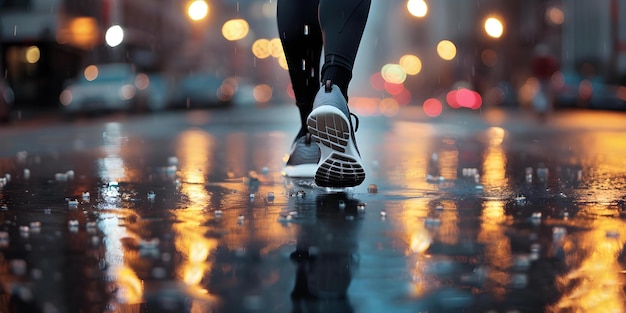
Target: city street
x: 187, y: 211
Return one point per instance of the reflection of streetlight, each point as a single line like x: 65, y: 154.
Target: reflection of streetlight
x: 197, y: 10
x: 114, y: 36
x: 417, y: 8
x: 494, y: 27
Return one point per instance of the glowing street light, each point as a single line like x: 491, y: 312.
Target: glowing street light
x: 494, y: 27
x: 417, y: 8
x: 114, y: 36
x: 198, y: 10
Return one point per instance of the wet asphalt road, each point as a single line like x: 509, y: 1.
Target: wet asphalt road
x: 188, y: 212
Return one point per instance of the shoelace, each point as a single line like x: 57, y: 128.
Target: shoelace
x: 356, y: 118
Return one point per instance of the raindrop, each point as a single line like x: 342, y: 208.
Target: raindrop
x: 70, y: 174
x: 72, y: 203
x: 26, y: 173
x: 265, y: 170
x: 306, y: 30
x: 558, y: 233
x: 252, y: 196
x: 350, y: 217
x: 383, y: 214
x: 300, y: 194
x: 303, y: 64
x: 270, y: 196
x: 535, y: 218
x: 361, y: 206
x: 342, y: 204
x: 8, y: 177
x: 218, y: 213
x: 439, y: 208
x: 240, y: 219
x: 113, y: 184
x: 151, y: 195
x: 72, y: 225
x: 86, y: 196
x: 24, y: 230
x: 35, y: 227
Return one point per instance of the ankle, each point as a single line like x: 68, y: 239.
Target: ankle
x: 339, y: 76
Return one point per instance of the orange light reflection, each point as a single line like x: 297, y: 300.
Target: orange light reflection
x: 193, y: 151
x: 596, y: 277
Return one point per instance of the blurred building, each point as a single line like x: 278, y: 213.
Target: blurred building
x: 45, y: 42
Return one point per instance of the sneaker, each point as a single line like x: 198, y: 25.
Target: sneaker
x: 303, y: 158
x: 330, y: 126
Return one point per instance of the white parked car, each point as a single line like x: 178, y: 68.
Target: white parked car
x: 101, y: 88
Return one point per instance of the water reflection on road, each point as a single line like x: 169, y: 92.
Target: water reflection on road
x: 482, y: 219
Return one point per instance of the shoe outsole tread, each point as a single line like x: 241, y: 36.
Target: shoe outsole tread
x: 340, y: 164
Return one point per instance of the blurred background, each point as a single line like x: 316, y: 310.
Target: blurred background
x: 442, y: 55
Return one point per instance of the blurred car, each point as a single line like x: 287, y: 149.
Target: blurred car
x: 100, y: 88
x: 572, y: 90
x: 202, y: 90
x: 154, y: 91
x: 6, y: 101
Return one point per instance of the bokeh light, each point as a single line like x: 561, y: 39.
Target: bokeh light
x: 261, y: 48
x: 389, y: 107
x: 417, y: 8
x: 404, y: 97
x: 33, y: 54
x: 464, y: 98
x: 262, y: 93
x: 197, y: 10
x: 393, y: 89
x: 393, y: 73
x: 377, y: 81
x: 432, y: 107
x: 411, y: 64
x: 142, y: 81
x: 446, y: 50
x: 282, y: 62
x: 276, y: 48
x: 235, y: 29
x: 555, y: 16
x: 114, y: 36
x: 494, y: 27
x: 91, y: 72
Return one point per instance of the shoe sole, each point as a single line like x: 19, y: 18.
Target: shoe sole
x: 300, y: 171
x: 340, y: 164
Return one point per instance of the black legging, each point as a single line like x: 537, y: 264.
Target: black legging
x: 305, y: 26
